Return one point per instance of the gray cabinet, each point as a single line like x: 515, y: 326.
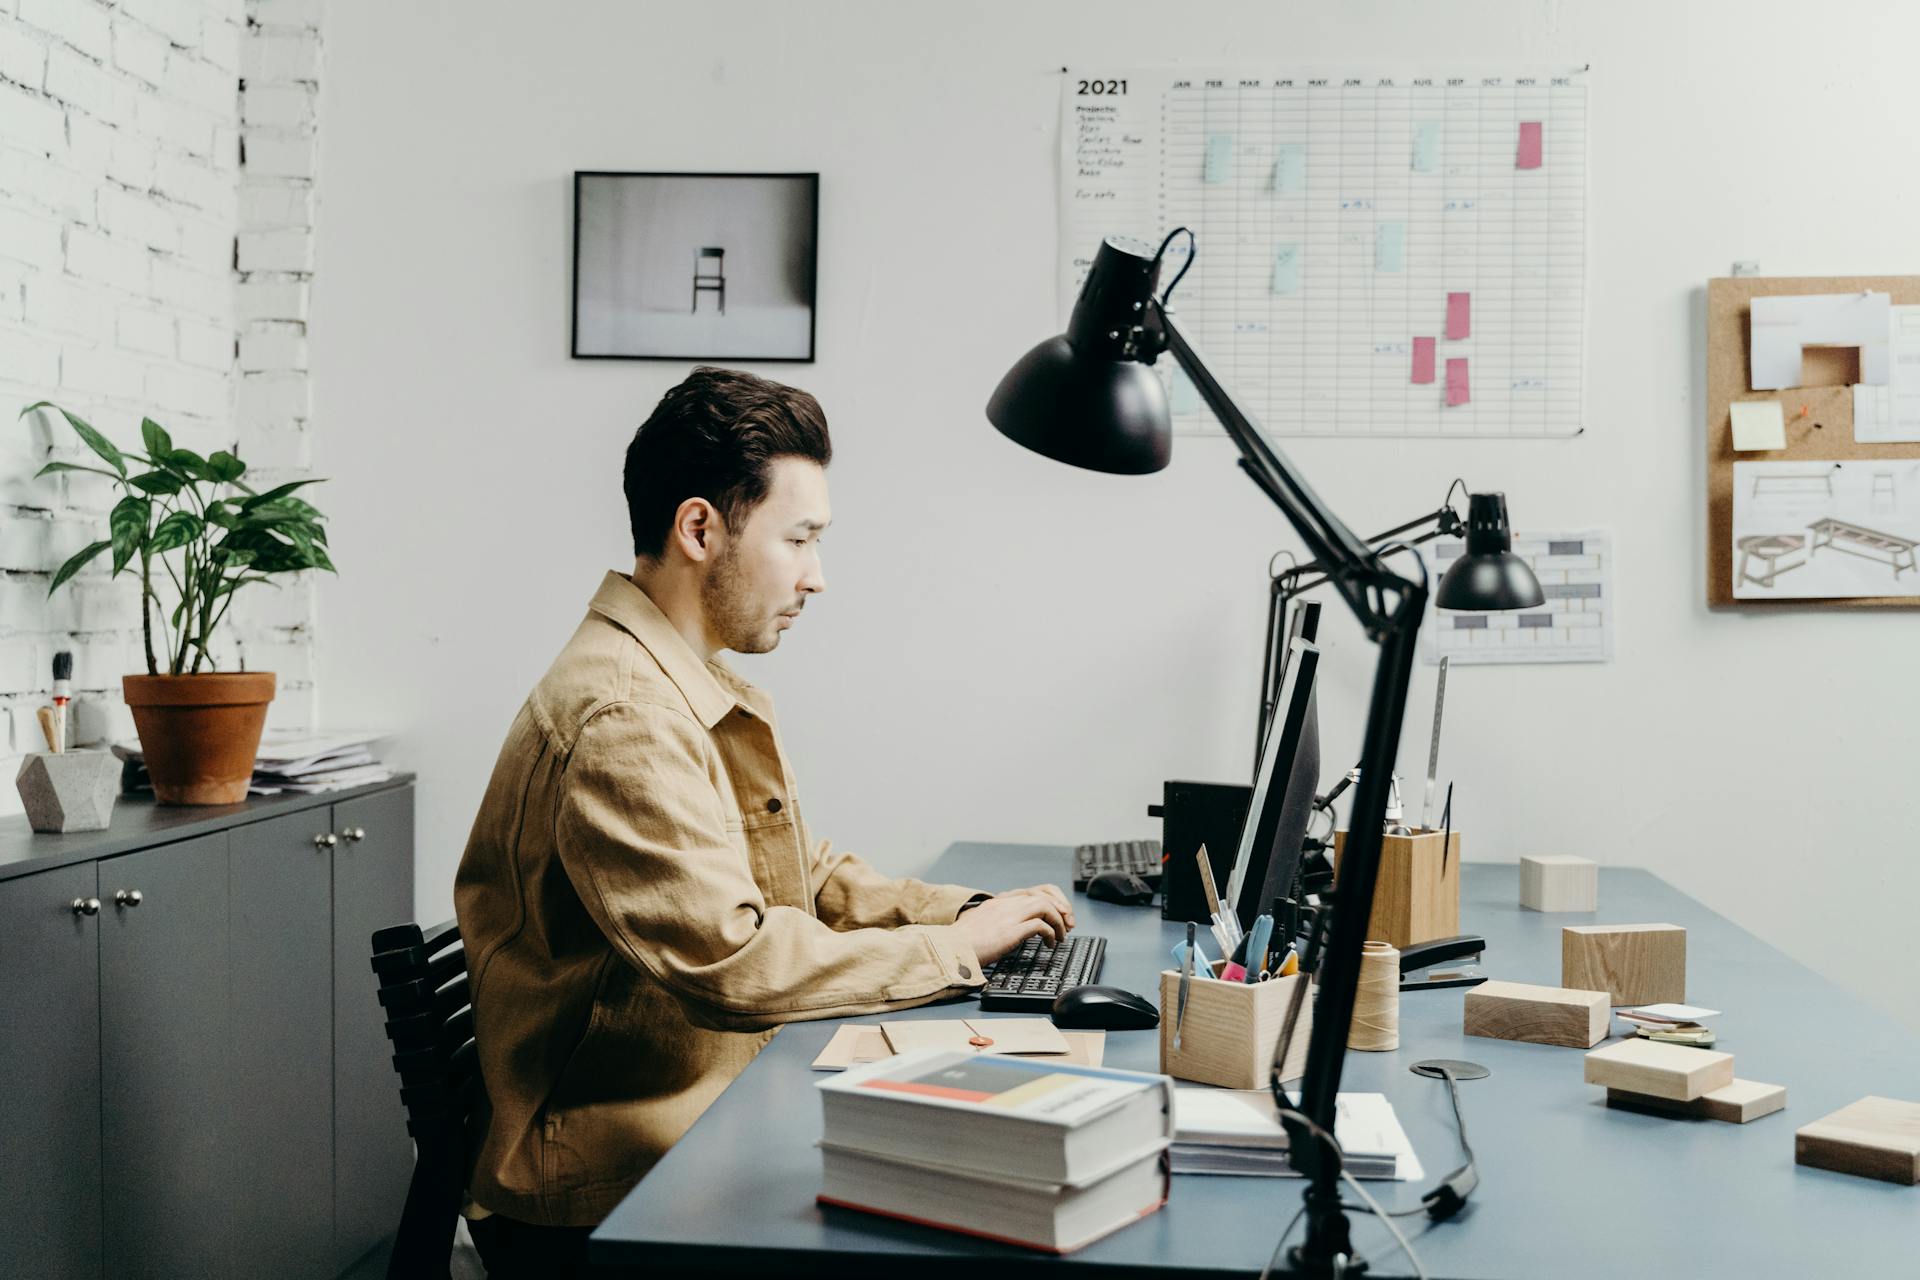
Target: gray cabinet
x: 372, y: 889
x: 165, y: 1073
x: 50, y: 1072
x: 280, y: 939
x: 194, y: 1076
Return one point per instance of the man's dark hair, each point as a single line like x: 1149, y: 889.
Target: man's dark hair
x: 713, y: 437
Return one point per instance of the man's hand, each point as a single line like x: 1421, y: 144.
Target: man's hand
x: 1006, y: 920
x: 1053, y: 891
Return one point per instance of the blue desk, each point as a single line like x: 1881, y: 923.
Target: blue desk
x: 1569, y: 1188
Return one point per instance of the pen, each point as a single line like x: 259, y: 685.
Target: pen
x: 1257, y: 945
x: 1186, y: 979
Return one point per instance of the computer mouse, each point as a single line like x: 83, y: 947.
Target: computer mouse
x: 1123, y: 887
x: 1103, y: 1009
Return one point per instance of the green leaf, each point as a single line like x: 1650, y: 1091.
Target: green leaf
x: 237, y: 557
x: 177, y: 530
x: 75, y: 564
x: 128, y: 525
x: 274, y: 494
x: 159, y: 443
x: 53, y: 467
x: 189, y: 463
x: 226, y: 467
x: 222, y: 513
x: 158, y: 483
x: 95, y: 441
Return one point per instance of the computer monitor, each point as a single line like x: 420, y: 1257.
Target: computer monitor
x: 1273, y: 838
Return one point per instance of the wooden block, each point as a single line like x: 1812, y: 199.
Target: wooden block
x: 1231, y: 1030
x: 1671, y: 1071
x: 1874, y: 1138
x: 1539, y: 1015
x: 1635, y: 963
x: 1559, y: 882
x: 1416, y: 897
x: 1737, y: 1103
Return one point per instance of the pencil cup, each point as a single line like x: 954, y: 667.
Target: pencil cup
x: 68, y: 790
x: 1231, y: 1029
x: 1416, y: 897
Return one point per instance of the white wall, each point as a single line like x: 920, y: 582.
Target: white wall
x: 123, y: 192
x: 1011, y: 650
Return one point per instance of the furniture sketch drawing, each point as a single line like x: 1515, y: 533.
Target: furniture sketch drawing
x: 1769, y: 548
x: 1887, y: 548
x: 1884, y: 490
x: 714, y: 281
x: 1794, y: 484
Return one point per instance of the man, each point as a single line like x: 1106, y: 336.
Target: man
x: 641, y: 901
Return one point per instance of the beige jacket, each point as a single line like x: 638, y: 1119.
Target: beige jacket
x: 643, y: 906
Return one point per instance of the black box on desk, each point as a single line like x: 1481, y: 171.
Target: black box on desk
x: 1193, y: 814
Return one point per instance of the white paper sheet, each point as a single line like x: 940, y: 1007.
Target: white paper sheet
x: 1891, y: 414
x: 1783, y: 325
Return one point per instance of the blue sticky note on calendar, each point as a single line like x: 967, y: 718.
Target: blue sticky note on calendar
x: 1186, y: 396
x: 1390, y: 246
x: 1290, y: 169
x: 1426, y: 146
x: 1219, y: 164
x: 1286, y: 268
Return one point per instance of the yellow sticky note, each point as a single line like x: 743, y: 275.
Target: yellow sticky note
x: 1758, y: 424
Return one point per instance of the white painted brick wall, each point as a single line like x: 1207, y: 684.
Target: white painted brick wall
x: 140, y: 141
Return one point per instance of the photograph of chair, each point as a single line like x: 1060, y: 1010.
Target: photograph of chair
x: 710, y: 282
x: 1888, y: 548
x: 1769, y: 549
x: 752, y: 240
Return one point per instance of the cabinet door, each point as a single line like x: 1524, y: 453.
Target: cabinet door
x: 281, y: 1053
x: 50, y: 1077
x: 372, y: 1154
x: 166, y: 1076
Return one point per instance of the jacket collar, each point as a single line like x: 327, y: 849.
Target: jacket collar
x: 710, y: 688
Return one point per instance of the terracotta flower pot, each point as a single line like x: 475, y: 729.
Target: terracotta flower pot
x: 200, y: 733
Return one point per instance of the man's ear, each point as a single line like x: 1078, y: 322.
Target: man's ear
x: 695, y: 522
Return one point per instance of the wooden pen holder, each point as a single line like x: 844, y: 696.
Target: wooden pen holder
x: 1231, y: 1029
x: 1416, y: 897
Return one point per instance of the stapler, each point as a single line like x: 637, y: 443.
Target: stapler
x: 1425, y: 955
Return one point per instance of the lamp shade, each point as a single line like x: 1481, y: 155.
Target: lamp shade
x: 1084, y: 397
x: 1489, y: 575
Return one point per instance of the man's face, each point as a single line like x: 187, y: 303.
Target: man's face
x: 763, y: 572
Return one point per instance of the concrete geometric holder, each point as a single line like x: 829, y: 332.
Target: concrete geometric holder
x: 69, y: 791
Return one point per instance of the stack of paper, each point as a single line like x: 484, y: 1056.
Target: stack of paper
x: 1672, y: 1023
x: 296, y: 761
x: 1238, y: 1131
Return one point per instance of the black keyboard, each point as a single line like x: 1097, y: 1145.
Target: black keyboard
x: 1141, y: 857
x: 1027, y: 979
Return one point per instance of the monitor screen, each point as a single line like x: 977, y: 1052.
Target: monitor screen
x: 1274, y: 834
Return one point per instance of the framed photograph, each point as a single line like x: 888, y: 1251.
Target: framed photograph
x: 694, y: 266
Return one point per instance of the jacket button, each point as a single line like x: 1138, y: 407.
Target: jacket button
x: 773, y: 805
x: 966, y: 973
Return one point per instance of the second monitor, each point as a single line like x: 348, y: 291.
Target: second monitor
x: 1273, y: 838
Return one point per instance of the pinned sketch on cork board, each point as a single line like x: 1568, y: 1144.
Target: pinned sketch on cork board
x: 1813, y: 441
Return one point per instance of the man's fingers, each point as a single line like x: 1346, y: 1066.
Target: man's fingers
x: 1045, y: 909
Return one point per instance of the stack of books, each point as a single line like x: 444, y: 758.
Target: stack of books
x: 1238, y: 1131
x: 296, y: 761
x: 1039, y: 1154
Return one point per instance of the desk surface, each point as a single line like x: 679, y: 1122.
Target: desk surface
x: 1568, y: 1187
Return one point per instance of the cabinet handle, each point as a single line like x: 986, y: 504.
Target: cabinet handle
x: 127, y: 898
x: 355, y: 834
x: 325, y: 840
x: 86, y: 906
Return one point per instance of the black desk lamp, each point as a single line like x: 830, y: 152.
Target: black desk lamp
x: 1088, y: 398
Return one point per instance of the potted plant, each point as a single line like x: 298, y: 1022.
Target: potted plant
x: 194, y: 523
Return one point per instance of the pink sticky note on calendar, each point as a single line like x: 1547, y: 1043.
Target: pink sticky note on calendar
x: 1459, y: 316
x: 1457, y: 382
x: 1529, y: 157
x: 1423, y: 359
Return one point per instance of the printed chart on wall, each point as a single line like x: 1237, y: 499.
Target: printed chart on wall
x: 1379, y: 255
x: 1575, y: 624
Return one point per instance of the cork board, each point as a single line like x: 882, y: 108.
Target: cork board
x: 1824, y: 433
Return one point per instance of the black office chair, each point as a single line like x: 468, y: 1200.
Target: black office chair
x: 710, y: 282
x: 423, y: 988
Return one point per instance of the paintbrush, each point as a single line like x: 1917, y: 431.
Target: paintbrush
x: 62, y: 693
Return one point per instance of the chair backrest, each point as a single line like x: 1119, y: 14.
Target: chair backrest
x: 718, y: 255
x: 422, y: 985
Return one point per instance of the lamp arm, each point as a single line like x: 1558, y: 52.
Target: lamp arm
x: 1390, y: 608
